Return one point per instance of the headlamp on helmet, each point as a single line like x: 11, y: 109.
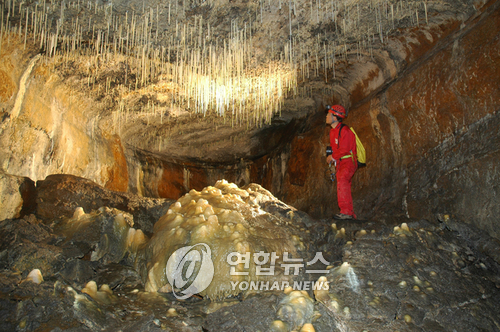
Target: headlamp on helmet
x: 337, y: 110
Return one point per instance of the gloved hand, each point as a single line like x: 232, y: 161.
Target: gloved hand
x: 330, y: 159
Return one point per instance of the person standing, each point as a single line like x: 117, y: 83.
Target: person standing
x: 344, y: 157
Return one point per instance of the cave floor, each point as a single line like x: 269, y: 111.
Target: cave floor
x: 424, y: 277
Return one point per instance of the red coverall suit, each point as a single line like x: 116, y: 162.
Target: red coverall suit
x: 344, y: 153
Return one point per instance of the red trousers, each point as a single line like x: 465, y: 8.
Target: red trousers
x: 345, y: 171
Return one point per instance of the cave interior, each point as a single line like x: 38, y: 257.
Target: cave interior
x: 129, y: 129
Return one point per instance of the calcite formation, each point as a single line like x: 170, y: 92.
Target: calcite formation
x: 108, y: 231
x: 294, y: 311
x: 233, y: 223
x: 35, y: 276
x: 103, y: 296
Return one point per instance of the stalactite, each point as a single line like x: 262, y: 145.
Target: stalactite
x: 425, y: 8
x: 210, y: 72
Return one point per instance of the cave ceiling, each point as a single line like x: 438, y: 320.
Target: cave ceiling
x: 219, y: 81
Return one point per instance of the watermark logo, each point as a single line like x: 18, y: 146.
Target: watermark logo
x: 190, y: 270
x: 304, y: 285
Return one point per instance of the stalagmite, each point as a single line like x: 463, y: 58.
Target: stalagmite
x: 35, y: 276
x: 321, y: 290
x: 171, y: 312
x: 278, y: 326
x: 296, y: 309
x: 308, y: 327
x: 103, y: 296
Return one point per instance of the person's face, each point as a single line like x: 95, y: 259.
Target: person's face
x: 330, y: 118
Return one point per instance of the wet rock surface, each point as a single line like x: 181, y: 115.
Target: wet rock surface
x: 415, y: 276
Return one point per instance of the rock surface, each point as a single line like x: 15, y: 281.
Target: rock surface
x: 59, y: 195
x: 17, y: 196
x: 422, y: 278
x: 415, y: 276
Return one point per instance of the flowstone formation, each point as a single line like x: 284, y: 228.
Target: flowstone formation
x: 242, y: 236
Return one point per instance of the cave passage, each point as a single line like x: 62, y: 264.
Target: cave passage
x: 162, y: 166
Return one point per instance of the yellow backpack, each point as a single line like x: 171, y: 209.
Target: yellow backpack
x: 360, y: 149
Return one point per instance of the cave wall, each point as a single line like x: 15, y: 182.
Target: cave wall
x: 437, y: 130
x: 169, y: 176
x: 431, y: 137
x: 155, y: 176
x: 48, y: 126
